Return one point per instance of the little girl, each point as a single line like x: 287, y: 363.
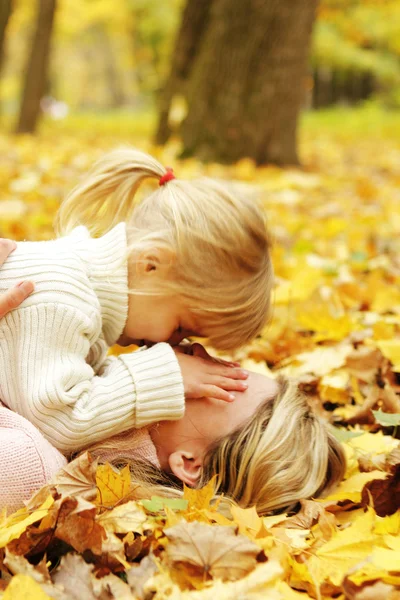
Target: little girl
x: 191, y: 259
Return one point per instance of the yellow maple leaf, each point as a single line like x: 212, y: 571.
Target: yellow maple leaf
x: 387, y: 559
x: 247, y: 519
x: 303, y: 282
x: 200, y: 499
x: 112, y: 486
x: 375, y: 443
x: 333, y: 560
x: 389, y: 524
x: 15, y: 524
x: 385, y: 298
x: 24, y: 587
x: 391, y: 350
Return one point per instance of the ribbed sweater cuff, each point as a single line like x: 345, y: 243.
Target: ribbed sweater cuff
x: 158, y: 382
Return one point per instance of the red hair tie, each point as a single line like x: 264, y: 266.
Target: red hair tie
x: 168, y: 176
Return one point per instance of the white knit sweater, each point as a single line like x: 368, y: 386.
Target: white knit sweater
x: 54, y: 368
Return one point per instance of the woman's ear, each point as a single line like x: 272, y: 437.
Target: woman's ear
x: 186, y: 466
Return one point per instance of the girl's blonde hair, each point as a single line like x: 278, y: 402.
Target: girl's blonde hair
x: 215, y: 235
x: 284, y: 453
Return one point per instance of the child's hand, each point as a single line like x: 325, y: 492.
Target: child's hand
x: 205, y: 378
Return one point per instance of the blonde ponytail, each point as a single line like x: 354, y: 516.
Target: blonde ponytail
x: 215, y: 234
x: 106, y: 196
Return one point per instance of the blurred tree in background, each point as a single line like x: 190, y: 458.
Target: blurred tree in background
x: 243, y: 78
x: 5, y: 13
x: 36, y: 71
x: 207, y: 67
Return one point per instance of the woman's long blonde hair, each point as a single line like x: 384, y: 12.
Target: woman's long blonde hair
x: 215, y: 235
x: 283, y: 454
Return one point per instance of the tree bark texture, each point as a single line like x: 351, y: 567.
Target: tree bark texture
x: 193, y: 25
x: 5, y: 13
x: 37, y: 68
x: 247, y: 81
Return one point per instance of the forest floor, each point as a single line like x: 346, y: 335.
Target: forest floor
x: 335, y: 326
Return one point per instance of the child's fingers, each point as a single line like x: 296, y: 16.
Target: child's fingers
x: 226, y: 383
x: 13, y: 297
x: 6, y: 247
x: 213, y: 391
x: 224, y: 371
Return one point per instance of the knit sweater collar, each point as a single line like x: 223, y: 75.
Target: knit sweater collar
x: 106, y: 262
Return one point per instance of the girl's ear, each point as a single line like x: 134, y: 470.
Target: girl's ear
x: 186, y: 466
x: 154, y: 260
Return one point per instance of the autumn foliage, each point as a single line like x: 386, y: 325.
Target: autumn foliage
x: 335, y: 326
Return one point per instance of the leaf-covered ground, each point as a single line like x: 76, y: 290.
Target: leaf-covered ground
x: 335, y: 325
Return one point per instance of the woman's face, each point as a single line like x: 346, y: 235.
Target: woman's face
x: 182, y: 444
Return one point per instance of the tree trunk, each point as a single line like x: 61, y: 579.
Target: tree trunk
x: 194, y: 23
x: 37, y: 69
x: 5, y: 13
x: 247, y: 83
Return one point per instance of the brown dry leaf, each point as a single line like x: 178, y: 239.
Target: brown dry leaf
x: 384, y: 495
x: 372, y: 462
x: 216, y: 550
x: 311, y: 512
x: 139, y: 575
x: 364, y: 362
x: 76, y: 578
x: 392, y: 459
x: 78, y: 527
x: 112, y: 553
x: 123, y: 518
x: 78, y: 478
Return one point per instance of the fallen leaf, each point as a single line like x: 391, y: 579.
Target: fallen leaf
x: 386, y: 419
x: 384, y: 495
x: 113, y: 486
x: 123, y: 518
x: 17, y: 523
x: 139, y: 575
x: 335, y: 558
x: 77, y: 525
x: 200, y: 499
x: 78, y: 478
x: 157, y: 504
x: 23, y: 587
x: 215, y: 549
x: 76, y: 578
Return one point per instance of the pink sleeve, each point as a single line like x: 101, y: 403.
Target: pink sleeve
x: 27, y: 460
